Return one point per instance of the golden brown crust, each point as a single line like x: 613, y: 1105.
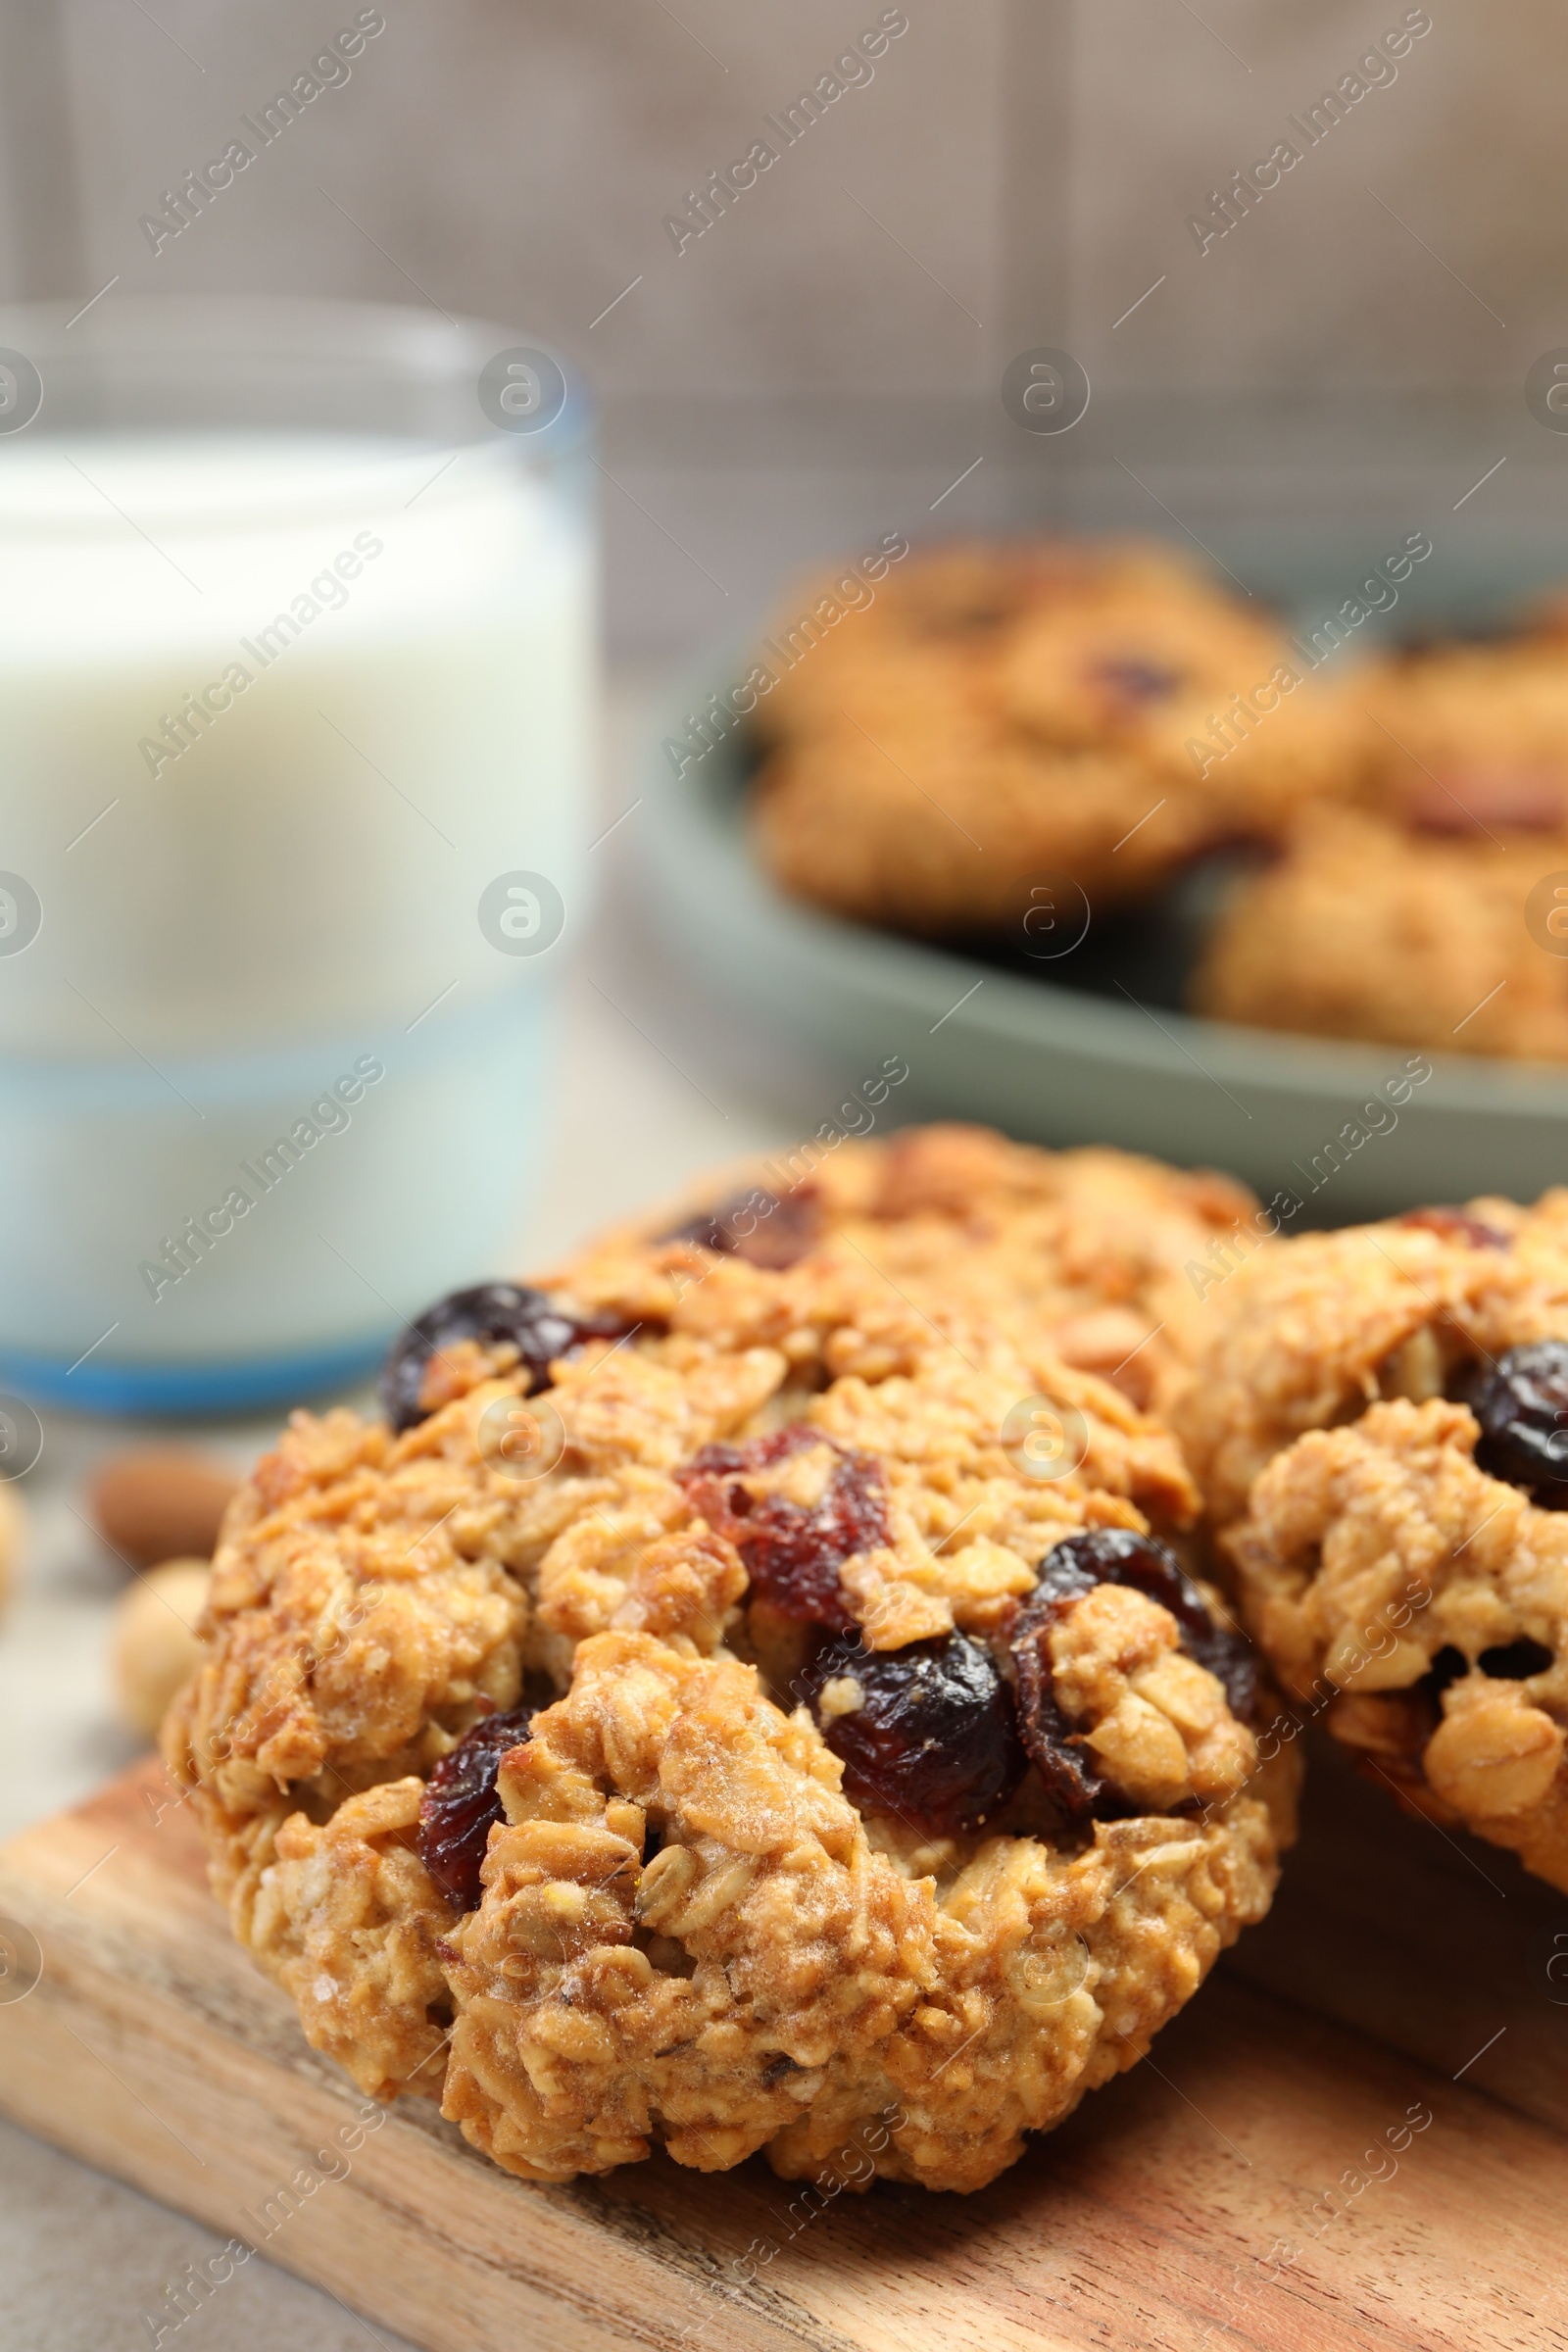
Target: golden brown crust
x: 1084, y: 1250
x: 1155, y: 1722
x: 767, y: 1979
x: 1309, y: 1331
x: 1369, y: 1553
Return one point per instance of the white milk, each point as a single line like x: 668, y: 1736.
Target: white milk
x: 274, y: 711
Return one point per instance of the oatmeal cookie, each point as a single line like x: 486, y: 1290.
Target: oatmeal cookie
x: 1468, y: 740
x: 690, y: 1934
x: 1310, y: 1331
x: 734, y: 1466
x: 1404, y: 1579
x: 1416, y: 936
x: 1101, y: 712
x: 1403, y: 917
x: 947, y: 610
x: 939, y: 822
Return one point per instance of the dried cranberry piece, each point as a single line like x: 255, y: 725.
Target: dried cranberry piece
x: 1458, y: 1225
x: 1522, y: 1405
x: 539, y: 1330
x: 459, y: 1803
x: 1135, y: 682
x: 936, y: 1738
x: 1056, y: 1752
x: 1473, y: 799
x: 752, y: 1454
x: 1111, y: 1555
x: 792, y: 1555
x: 767, y: 1229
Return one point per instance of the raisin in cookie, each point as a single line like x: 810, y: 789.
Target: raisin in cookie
x: 729, y: 1468
x: 1310, y: 1331
x: 1413, y: 1581
x: 1103, y: 714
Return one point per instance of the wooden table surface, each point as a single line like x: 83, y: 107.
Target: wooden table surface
x: 1357, y: 2136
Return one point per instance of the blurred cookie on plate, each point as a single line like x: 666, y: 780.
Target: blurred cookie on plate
x: 946, y: 609
x: 1364, y: 930
x: 1469, y: 742
x: 1098, y: 712
x: 1427, y: 914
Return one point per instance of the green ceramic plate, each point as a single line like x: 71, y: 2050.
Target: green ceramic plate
x: 1348, y: 1130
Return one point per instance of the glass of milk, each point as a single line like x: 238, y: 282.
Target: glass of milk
x: 297, y: 646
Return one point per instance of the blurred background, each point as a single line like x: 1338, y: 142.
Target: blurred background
x: 1286, y: 379
x: 827, y: 358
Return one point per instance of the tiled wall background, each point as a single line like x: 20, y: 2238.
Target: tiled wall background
x: 826, y: 359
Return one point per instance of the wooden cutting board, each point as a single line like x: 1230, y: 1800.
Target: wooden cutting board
x: 1356, y: 2136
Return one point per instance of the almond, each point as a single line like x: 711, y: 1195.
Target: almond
x: 13, y: 1526
x: 154, y: 1646
x: 160, y: 1503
